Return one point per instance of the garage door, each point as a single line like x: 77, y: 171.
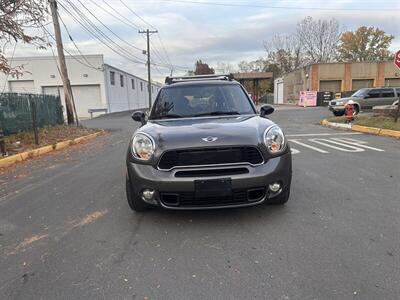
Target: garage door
x: 85, y: 96
x: 330, y: 86
x: 392, y: 82
x: 279, y: 93
x: 22, y: 86
x: 362, y: 83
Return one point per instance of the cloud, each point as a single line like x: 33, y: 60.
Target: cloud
x: 211, y: 33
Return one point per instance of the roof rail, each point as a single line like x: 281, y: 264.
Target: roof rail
x: 171, y: 80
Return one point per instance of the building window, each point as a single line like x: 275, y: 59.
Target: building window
x: 141, y: 86
x: 133, y: 83
x: 112, y: 78
x: 121, y: 79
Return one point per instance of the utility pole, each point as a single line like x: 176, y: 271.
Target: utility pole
x: 69, y: 101
x: 147, y: 31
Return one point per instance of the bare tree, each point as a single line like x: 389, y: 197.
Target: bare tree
x: 319, y: 39
x: 225, y: 68
x: 20, y: 20
x: 283, y: 54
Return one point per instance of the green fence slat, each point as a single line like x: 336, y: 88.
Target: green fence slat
x: 15, y: 111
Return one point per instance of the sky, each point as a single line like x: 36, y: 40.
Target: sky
x: 213, y: 31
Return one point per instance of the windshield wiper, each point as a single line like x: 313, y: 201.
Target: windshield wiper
x: 172, y: 116
x: 217, y: 113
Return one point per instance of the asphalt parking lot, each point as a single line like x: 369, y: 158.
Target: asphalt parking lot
x: 66, y: 231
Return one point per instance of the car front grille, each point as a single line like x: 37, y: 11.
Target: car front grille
x: 188, y: 199
x: 210, y: 156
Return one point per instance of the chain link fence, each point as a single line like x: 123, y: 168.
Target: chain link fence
x: 21, y: 112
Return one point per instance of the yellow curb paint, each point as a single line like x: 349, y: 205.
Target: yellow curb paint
x: 62, y: 145
x: 8, y: 161
x: 389, y: 132
x: 370, y: 130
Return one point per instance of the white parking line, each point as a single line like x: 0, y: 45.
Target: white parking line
x: 323, y: 134
x: 357, y: 143
x: 344, y: 147
x: 308, y: 146
x: 294, y: 151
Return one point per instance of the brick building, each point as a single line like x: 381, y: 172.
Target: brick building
x: 335, y: 77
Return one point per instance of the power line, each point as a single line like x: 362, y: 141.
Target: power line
x: 76, y: 46
x: 128, y: 23
x: 88, y: 64
x: 104, y: 25
x: 132, y: 11
x: 93, y: 30
x: 279, y: 7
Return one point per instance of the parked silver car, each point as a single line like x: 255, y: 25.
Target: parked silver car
x: 366, y: 99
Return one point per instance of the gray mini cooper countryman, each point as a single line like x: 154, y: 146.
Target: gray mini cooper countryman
x: 203, y: 146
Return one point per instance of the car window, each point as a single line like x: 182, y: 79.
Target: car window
x: 374, y: 93
x: 386, y: 93
x: 361, y: 93
x: 188, y: 101
x: 398, y: 92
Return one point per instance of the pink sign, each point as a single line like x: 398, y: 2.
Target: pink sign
x: 308, y: 98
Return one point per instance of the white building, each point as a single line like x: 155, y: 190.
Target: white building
x: 95, y: 85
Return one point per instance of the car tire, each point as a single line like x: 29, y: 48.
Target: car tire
x: 338, y: 113
x: 281, y: 199
x: 356, y: 110
x: 135, y: 203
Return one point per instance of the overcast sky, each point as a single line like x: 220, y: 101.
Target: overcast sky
x: 213, y: 33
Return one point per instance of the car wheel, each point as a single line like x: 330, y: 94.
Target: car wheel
x: 356, y: 110
x: 135, y: 203
x: 281, y: 199
x: 338, y: 113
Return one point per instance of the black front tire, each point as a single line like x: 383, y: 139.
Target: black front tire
x: 281, y: 199
x: 338, y: 113
x: 135, y: 203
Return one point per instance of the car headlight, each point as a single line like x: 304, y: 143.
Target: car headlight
x: 142, y: 146
x: 274, y: 139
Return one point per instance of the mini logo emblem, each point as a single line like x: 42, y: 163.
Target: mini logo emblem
x: 210, y: 139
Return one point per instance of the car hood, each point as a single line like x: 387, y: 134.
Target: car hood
x: 191, y: 132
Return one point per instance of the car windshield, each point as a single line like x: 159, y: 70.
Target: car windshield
x: 201, y: 100
x: 360, y: 93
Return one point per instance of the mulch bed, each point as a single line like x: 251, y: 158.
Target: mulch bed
x: 24, y: 141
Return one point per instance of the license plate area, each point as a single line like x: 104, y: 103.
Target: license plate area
x: 213, y: 188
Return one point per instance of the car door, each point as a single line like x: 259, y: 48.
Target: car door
x: 372, y: 99
x: 388, y: 97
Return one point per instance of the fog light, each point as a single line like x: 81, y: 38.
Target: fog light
x: 148, y: 195
x: 275, y: 187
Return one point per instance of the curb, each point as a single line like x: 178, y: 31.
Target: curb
x: 363, y: 129
x: 10, y: 160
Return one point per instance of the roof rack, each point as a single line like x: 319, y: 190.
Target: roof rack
x: 171, y: 80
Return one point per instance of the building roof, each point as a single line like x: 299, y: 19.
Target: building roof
x: 253, y: 75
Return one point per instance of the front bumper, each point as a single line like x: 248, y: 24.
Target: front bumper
x: 338, y: 108
x: 276, y: 169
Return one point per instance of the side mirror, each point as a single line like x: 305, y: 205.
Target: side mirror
x: 266, y: 110
x: 139, y: 116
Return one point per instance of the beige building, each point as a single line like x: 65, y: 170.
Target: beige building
x: 335, y: 77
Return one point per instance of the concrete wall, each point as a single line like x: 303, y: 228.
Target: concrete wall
x: 345, y: 72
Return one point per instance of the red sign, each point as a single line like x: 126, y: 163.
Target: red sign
x: 397, y: 59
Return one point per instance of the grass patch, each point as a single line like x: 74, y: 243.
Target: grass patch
x: 370, y: 121
x: 49, y: 135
